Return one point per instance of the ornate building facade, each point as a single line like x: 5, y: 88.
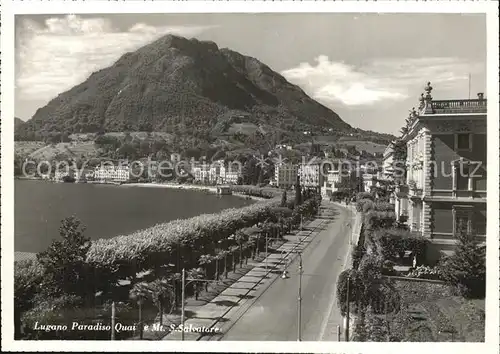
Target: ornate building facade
x: 446, y: 170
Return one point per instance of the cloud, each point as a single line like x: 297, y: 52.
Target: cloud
x: 377, y: 81
x: 53, y: 57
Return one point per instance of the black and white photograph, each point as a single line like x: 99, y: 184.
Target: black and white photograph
x: 252, y: 176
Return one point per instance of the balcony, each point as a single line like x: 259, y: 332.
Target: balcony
x: 414, y: 190
x: 458, y: 106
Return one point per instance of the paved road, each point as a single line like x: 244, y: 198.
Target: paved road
x: 274, y: 315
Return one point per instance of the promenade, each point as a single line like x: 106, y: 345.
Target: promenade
x: 262, y: 306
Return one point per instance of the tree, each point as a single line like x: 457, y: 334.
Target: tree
x: 64, y: 261
x: 140, y: 293
x: 161, y: 293
x: 399, y: 159
x: 466, y: 268
x: 283, y: 199
x: 298, y: 192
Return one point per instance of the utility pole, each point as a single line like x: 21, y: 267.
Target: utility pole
x: 299, y: 317
x: 346, y: 329
x: 182, y: 301
x: 266, y: 253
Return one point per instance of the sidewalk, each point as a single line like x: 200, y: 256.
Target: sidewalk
x: 355, y: 231
x: 241, y: 294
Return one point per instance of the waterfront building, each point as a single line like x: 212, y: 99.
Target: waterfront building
x: 59, y: 175
x: 232, y: 176
x: 111, y: 173
x: 217, y: 172
x: 201, y: 173
x: 285, y: 175
x: 446, y: 170
x: 224, y: 190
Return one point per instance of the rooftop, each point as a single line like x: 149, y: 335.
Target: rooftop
x: 429, y: 106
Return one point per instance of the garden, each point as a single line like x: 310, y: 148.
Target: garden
x: 78, y: 280
x: 392, y: 294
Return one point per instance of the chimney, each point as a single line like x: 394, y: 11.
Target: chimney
x: 480, y: 96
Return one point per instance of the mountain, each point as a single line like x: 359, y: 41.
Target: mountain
x: 18, y: 122
x: 186, y: 87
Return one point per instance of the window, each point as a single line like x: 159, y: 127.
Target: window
x: 462, y: 219
x: 463, y: 141
x: 462, y: 175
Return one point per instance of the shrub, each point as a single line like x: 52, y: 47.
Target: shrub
x: 388, y: 268
x: 367, y: 287
x: 426, y: 272
x: 392, y: 243
x: 360, y: 204
x: 357, y: 254
x: 384, y: 206
x: 28, y: 276
x: 466, y: 268
x: 379, y: 219
x: 254, y: 191
x: 367, y: 205
x: 364, y: 195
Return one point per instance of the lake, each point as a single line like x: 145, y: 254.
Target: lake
x: 105, y: 210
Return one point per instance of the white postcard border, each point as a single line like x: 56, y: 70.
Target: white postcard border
x: 9, y: 8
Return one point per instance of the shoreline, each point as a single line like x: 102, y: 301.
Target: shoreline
x: 210, y: 189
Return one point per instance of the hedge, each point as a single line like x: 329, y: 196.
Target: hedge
x: 392, y: 243
x: 157, y: 245
x: 255, y: 191
x: 367, y: 287
x: 379, y: 219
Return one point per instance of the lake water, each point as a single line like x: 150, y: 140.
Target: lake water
x: 105, y: 210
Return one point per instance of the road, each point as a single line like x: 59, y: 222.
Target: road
x: 274, y: 314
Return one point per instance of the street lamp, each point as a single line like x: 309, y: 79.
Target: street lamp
x: 299, y: 299
x: 269, y: 238
x: 184, y: 284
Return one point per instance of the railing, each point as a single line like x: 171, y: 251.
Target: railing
x: 459, y: 106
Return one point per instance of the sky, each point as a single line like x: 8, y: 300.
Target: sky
x: 369, y: 68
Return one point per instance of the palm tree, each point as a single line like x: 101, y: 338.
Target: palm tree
x: 197, y: 273
x: 161, y: 290
x: 139, y: 293
x: 240, y: 238
x: 204, y: 261
x: 232, y: 250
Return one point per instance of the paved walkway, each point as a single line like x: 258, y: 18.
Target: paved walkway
x: 233, y: 299
x: 273, y: 315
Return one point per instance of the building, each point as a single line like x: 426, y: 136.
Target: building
x: 201, y: 173
x: 285, y: 175
x: 446, y: 170
x: 339, y: 177
x: 369, y: 181
x: 232, y: 177
x: 312, y: 174
x: 388, y: 161
x: 110, y: 173
x: 217, y: 172
x: 224, y: 190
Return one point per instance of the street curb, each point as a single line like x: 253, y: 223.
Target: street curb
x: 305, y: 240
x: 272, y: 280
